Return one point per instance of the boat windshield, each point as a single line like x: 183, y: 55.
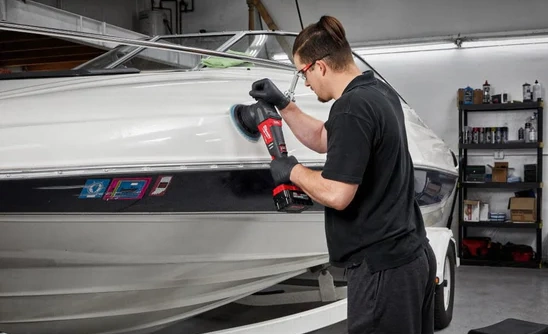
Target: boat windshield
x: 268, y: 45
x: 147, y: 59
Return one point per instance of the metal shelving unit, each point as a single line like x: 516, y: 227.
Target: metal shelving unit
x: 536, y: 186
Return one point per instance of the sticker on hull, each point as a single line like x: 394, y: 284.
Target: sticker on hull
x: 94, y: 188
x: 127, y: 188
x: 160, y: 188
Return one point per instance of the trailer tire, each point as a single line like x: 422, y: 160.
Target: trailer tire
x: 444, y: 294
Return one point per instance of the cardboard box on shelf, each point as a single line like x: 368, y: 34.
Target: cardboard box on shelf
x: 471, y: 211
x: 523, y: 209
x: 500, y: 172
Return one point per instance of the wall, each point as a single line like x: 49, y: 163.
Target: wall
x: 378, y: 19
x: 120, y: 12
x: 429, y: 81
x: 365, y: 20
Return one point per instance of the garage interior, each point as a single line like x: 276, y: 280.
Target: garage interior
x: 474, y: 73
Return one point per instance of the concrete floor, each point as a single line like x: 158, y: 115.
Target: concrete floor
x: 484, y: 296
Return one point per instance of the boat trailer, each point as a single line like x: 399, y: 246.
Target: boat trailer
x: 327, y: 290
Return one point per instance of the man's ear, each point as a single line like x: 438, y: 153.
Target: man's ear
x: 322, y: 67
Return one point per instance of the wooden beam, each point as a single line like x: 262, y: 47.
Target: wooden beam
x: 272, y: 26
x: 265, y: 15
x: 251, y: 14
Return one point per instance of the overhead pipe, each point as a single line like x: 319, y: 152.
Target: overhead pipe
x: 185, y: 6
x: 177, y: 27
x: 161, y: 7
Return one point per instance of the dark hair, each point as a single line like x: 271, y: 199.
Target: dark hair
x: 327, y: 36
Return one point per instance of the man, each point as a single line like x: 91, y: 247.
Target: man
x: 373, y: 224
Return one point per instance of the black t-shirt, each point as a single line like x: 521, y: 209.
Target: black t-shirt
x: 367, y: 145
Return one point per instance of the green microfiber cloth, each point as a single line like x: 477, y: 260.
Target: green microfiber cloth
x: 222, y: 62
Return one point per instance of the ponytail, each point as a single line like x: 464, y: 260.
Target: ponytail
x: 334, y: 28
x: 324, y: 39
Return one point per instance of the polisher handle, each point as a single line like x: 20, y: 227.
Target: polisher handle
x: 271, y: 131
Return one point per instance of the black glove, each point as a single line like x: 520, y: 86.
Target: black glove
x: 281, y: 168
x: 266, y: 90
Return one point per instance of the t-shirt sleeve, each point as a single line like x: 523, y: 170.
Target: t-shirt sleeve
x: 349, y: 144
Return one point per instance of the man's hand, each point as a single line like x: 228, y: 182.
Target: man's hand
x: 281, y: 168
x: 266, y: 90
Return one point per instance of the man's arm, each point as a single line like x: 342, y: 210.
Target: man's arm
x: 351, y: 141
x: 333, y: 194
x: 350, y: 144
x: 308, y: 130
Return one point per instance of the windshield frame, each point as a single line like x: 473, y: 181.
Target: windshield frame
x: 237, y: 36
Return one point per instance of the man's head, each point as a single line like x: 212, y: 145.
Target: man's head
x: 322, y: 53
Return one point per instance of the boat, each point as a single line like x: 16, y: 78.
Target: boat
x: 129, y: 201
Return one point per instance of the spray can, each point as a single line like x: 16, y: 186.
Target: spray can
x: 466, y: 135
x: 486, y: 92
x: 536, y: 91
x: 488, y: 135
x: 475, y: 135
x: 527, y: 94
x: 498, y: 135
x: 505, y: 134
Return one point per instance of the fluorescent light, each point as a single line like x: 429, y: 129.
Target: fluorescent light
x: 435, y: 46
x: 463, y: 43
x: 405, y: 48
x: 504, y: 42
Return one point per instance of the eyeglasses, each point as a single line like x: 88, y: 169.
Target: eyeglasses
x: 302, y: 72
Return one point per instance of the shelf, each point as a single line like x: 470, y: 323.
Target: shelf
x: 501, y: 106
x: 498, y: 263
x: 486, y: 185
x: 502, y: 185
x: 509, y: 146
x: 496, y: 224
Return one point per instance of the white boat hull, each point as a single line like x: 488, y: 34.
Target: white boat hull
x: 122, y: 273
x: 128, y: 273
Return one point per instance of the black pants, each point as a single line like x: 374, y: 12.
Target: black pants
x: 398, y: 300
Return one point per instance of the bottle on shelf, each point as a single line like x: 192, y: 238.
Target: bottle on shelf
x: 532, y: 134
x: 527, y: 132
x: 521, y: 134
x: 527, y: 93
x: 536, y: 91
x: 532, y: 130
x: 468, y: 95
x: 486, y: 92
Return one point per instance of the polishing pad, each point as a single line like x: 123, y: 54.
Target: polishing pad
x: 251, y: 134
